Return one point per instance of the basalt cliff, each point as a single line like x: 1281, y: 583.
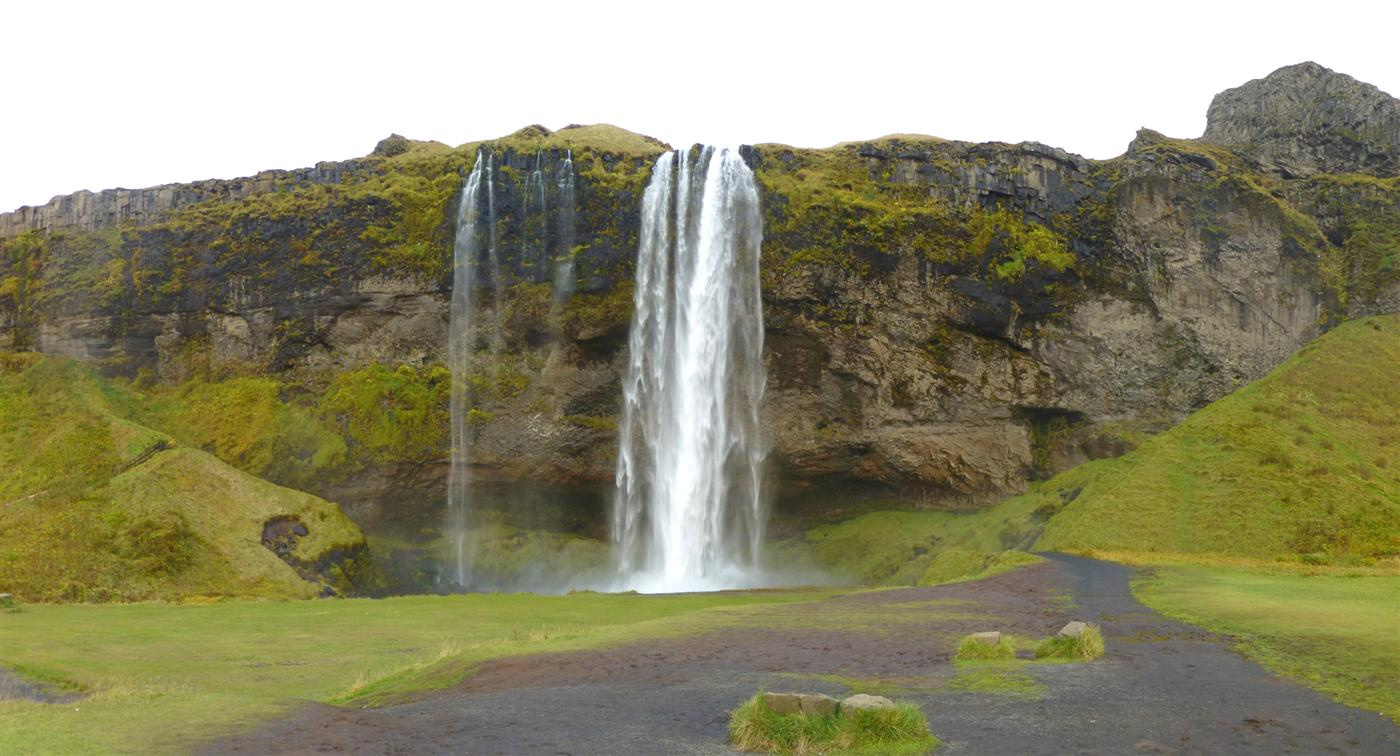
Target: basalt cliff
x: 944, y: 320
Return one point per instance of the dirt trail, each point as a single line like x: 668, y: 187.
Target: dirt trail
x: 1163, y: 687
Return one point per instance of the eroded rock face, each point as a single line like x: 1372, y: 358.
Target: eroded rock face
x: 1309, y: 119
x: 945, y: 321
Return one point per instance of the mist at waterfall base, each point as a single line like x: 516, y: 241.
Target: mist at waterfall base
x: 688, y: 511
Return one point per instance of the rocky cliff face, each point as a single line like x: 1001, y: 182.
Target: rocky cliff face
x: 1306, y: 119
x: 944, y: 320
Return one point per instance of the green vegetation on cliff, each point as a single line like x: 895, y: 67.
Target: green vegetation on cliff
x: 246, y: 422
x: 96, y: 507
x: 1361, y: 216
x: 393, y: 414
x: 389, y: 216
x: 1346, y: 227
x: 21, y: 262
x: 861, y: 210
x: 1303, y: 464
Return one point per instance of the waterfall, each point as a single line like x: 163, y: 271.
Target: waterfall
x: 535, y: 252
x: 543, y: 227
x: 461, y: 339
x: 564, y: 236
x: 688, y: 509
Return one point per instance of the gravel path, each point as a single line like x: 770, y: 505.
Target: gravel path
x: 1162, y: 687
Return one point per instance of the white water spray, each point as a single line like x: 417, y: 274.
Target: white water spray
x: 689, y: 511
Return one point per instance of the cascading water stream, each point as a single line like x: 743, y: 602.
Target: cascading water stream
x: 689, y: 510
x: 565, y: 232
x: 461, y: 339
x: 537, y: 217
x: 544, y: 226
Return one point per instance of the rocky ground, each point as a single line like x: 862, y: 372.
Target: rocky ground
x: 1162, y: 687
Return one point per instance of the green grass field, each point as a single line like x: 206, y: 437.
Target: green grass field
x: 164, y: 676
x: 1340, y: 635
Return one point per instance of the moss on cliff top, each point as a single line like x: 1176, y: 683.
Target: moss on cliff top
x: 860, y: 210
x: 598, y: 137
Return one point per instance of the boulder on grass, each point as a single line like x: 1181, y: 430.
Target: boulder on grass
x: 866, y: 702
x: 991, y: 637
x: 783, y: 703
x: 1073, y: 629
x: 816, y: 704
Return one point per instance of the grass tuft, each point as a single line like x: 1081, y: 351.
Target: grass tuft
x: 901, y: 730
x: 971, y: 649
x: 1087, y: 647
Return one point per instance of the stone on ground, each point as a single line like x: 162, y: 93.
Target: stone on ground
x: 991, y: 637
x: 1073, y: 629
x: 864, y: 701
x: 817, y: 704
x: 783, y: 703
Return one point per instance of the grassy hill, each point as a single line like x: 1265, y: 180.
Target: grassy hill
x: 1303, y: 465
x: 96, y: 506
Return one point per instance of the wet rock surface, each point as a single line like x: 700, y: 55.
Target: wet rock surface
x: 1162, y: 686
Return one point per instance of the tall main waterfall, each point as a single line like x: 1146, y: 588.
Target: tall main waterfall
x: 689, y: 511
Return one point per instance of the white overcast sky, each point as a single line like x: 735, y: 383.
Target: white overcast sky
x: 107, y: 94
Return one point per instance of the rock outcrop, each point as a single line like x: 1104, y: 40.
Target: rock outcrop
x: 945, y: 320
x: 1305, y: 119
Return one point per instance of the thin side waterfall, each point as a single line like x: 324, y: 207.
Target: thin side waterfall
x: 461, y: 340
x: 536, y: 243
x: 505, y: 228
x: 493, y: 255
x: 565, y: 232
x: 689, y: 511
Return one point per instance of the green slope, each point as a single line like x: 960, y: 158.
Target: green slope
x: 94, y: 506
x: 1303, y: 464
x: 896, y: 547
